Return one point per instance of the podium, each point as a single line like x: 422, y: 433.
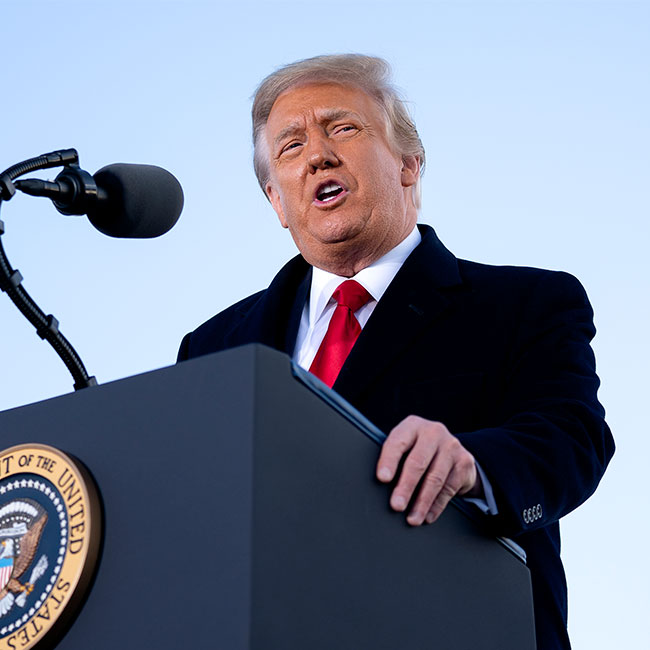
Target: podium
x: 241, y: 512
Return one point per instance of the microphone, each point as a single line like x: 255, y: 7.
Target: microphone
x: 121, y: 200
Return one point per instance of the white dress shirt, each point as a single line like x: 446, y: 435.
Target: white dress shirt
x: 320, y: 305
x: 374, y: 279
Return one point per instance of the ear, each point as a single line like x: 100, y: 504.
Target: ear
x: 274, y: 198
x: 410, y: 170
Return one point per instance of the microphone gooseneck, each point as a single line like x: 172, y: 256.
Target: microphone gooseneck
x: 47, y: 326
x: 121, y: 200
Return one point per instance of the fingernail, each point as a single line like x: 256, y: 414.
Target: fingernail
x: 384, y: 474
x: 414, y: 519
x: 430, y: 518
x: 398, y: 503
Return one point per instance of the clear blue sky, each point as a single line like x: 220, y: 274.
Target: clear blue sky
x: 535, y: 120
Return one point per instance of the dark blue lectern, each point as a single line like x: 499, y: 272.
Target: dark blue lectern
x: 241, y: 513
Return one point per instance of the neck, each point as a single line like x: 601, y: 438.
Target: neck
x: 348, y: 258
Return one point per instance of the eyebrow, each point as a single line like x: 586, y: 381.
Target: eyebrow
x: 333, y: 114
x: 327, y: 116
x: 288, y: 131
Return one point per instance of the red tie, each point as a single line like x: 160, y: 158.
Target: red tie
x: 342, y: 333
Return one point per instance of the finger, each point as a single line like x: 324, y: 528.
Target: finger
x: 448, y: 492
x: 435, y: 481
x: 415, y: 466
x: 462, y: 477
x: 398, y: 443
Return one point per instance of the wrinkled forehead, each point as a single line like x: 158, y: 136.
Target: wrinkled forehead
x: 322, y: 102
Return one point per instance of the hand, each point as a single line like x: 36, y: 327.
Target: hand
x: 435, y: 460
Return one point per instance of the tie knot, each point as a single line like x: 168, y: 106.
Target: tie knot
x: 352, y: 295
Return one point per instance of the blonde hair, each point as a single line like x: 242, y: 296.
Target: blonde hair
x: 368, y: 73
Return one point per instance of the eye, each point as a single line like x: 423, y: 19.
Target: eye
x: 344, y: 128
x: 290, y: 146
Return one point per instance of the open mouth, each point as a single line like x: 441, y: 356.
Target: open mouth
x: 329, y: 191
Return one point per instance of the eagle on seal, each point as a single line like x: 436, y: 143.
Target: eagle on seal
x: 21, y: 525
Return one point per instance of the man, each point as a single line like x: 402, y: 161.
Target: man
x: 482, y: 375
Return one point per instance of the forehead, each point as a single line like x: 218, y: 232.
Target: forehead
x: 322, y: 102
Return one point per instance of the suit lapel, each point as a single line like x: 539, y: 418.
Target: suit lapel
x: 275, y: 318
x: 413, y: 301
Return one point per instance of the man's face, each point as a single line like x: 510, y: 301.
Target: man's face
x: 335, y: 180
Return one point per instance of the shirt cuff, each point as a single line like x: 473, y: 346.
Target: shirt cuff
x: 487, y: 504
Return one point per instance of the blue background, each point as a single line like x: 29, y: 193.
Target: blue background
x: 535, y: 120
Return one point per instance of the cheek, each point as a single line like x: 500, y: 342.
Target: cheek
x: 292, y: 187
x: 383, y: 164
x: 385, y: 179
x: 290, y: 205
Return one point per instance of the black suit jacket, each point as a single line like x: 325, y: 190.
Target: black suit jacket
x: 500, y: 355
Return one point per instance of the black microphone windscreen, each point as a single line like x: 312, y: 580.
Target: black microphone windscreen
x: 137, y: 201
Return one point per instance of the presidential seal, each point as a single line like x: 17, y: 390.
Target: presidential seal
x: 50, y: 529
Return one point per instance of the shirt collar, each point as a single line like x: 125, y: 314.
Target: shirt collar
x: 374, y: 278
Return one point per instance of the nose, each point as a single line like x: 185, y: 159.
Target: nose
x: 321, y: 154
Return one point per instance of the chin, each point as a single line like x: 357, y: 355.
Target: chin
x: 335, y: 231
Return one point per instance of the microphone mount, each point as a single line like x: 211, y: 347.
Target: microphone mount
x: 73, y: 192
x: 69, y: 185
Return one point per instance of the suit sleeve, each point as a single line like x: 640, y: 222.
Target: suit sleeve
x: 551, y: 446
x: 183, y: 351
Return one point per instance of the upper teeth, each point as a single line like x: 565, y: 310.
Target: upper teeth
x: 330, y: 187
